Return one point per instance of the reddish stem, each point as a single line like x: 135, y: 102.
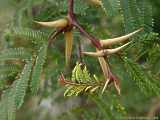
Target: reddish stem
x: 75, y: 23
x: 95, y: 42
x: 54, y: 35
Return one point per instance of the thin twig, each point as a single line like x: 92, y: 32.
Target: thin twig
x: 53, y: 35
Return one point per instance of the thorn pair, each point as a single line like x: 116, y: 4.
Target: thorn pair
x: 108, y: 75
x: 108, y: 42
x: 105, y: 52
x: 61, y: 25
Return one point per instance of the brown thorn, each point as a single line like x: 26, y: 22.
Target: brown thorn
x: 112, y: 41
x: 53, y: 35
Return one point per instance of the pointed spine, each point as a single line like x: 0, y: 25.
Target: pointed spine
x: 68, y: 48
x: 61, y: 23
x: 106, y: 51
x: 105, y: 69
x: 108, y: 42
x: 115, y: 50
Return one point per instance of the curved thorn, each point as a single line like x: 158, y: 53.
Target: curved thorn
x: 104, y: 52
x: 54, y: 24
x: 105, y: 86
x: 105, y: 68
x: 119, y: 39
x: 94, y: 54
x: 53, y: 36
x: 115, y: 50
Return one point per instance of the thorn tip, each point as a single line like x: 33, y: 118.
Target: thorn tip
x: 54, y: 24
x: 119, y: 39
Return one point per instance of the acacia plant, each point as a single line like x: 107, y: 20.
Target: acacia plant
x: 27, y: 66
x: 67, y: 24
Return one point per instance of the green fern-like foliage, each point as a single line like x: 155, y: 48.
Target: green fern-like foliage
x: 37, y: 37
x: 13, y: 96
x: 22, y: 84
x: 111, y: 7
x: 80, y: 82
x: 14, y: 53
x: 135, y: 14
x: 9, y: 68
x: 113, y: 102
x: 38, y: 67
x: 8, y: 105
x: 153, y: 60
x: 146, y: 84
x: 7, y: 73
